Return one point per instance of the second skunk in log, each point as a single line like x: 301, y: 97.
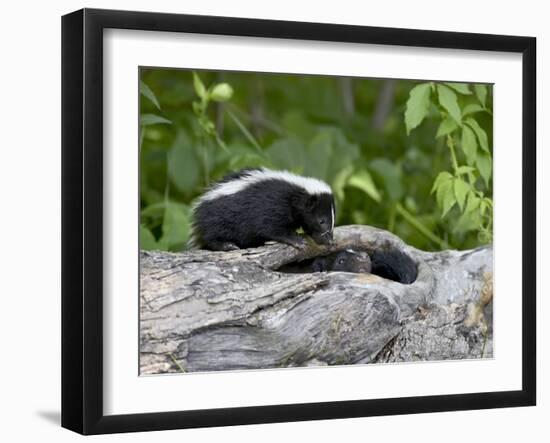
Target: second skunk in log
x: 348, y: 260
x: 391, y: 264
x: 253, y: 206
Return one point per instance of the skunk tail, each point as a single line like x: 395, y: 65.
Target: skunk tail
x: 394, y: 265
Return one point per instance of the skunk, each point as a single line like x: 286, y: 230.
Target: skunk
x: 250, y: 207
x: 391, y: 264
x: 347, y: 260
x: 344, y: 261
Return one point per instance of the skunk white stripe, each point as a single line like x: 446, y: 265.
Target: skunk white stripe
x: 310, y: 185
x: 332, y: 211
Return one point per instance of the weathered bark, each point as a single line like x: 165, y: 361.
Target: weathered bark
x: 208, y: 311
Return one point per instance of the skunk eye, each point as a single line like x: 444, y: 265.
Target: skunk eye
x: 322, y: 221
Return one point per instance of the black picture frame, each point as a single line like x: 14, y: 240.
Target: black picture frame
x: 82, y: 218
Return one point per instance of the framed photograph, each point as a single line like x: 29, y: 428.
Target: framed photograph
x: 269, y: 221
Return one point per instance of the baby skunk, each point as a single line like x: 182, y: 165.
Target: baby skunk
x: 344, y: 261
x: 347, y: 260
x: 390, y: 264
x: 250, y: 207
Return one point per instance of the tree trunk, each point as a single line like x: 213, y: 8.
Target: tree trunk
x: 210, y: 311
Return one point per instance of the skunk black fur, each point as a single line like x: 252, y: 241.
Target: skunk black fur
x: 253, y: 206
x: 394, y: 265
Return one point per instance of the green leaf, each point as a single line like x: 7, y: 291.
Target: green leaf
x: 441, y: 189
x: 448, y: 100
x: 153, y: 119
x: 296, y: 123
x: 155, y: 210
x: 464, y: 170
x: 221, y: 92
x: 391, y: 175
x: 472, y: 108
x: 175, y: 227
x: 199, y: 86
x: 287, y: 153
x: 469, y: 144
x: 319, y: 152
x: 473, y: 202
x: 146, y: 239
x: 484, y: 164
x: 481, y: 94
x: 417, y: 106
x: 480, y: 133
x: 343, y: 152
x: 461, y: 88
x: 141, y: 137
x: 340, y: 181
x: 441, y: 178
x: 147, y: 92
x: 468, y: 221
x: 445, y: 197
x: 483, y: 206
x: 363, y: 180
x: 461, y: 189
x: 486, y: 205
x: 446, y: 127
x: 184, y: 164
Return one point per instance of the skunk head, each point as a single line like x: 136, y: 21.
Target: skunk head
x: 352, y: 261
x: 318, y: 217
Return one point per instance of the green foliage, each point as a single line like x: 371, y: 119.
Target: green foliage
x: 363, y: 180
x: 481, y: 93
x: 448, y: 101
x: 469, y: 145
x: 146, y: 91
x: 428, y: 180
x: 417, y: 106
x: 465, y: 187
x: 461, y: 88
x: 152, y: 119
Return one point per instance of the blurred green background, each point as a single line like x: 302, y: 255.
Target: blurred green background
x: 411, y: 157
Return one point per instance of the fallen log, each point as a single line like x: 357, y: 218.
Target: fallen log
x: 210, y: 311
